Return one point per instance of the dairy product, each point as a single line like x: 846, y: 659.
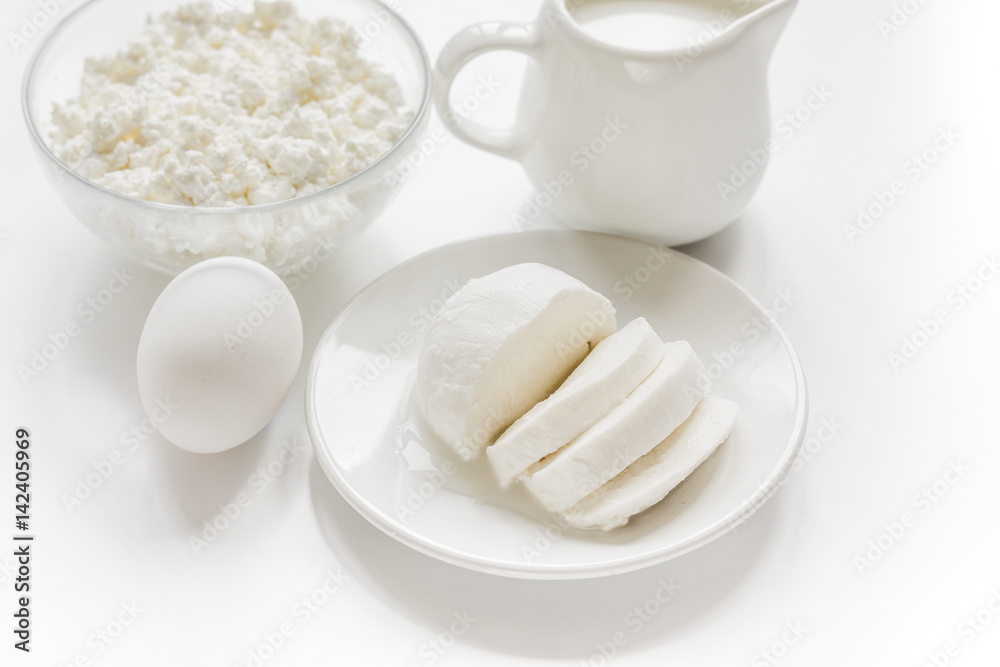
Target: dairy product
x: 649, y: 479
x: 602, y: 380
x: 226, y: 108
x: 500, y: 345
x: 218, y: 353
x: 652, y: 24
x: 647, y: 416
x: 597, y: 440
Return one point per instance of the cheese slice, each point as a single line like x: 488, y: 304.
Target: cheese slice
x: 647, y: 416
x: 648, y: 480
x: 500, y: 345
x: 616, y: 366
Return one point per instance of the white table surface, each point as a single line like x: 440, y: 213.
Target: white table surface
x: 792, y: 565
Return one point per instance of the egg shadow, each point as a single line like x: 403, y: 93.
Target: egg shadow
x: 538, y: 618
x: 201, y: 483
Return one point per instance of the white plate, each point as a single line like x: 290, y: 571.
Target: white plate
x: 386, y: 461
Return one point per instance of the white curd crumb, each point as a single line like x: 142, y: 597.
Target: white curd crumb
x: 226, y: 108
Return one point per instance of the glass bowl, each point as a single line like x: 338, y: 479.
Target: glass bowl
x: 170, y: 237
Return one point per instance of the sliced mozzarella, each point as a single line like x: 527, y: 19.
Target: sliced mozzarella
x: 500, y: 345
x: 616, y: 366
x: 647, y: 416
x: 648, y: 480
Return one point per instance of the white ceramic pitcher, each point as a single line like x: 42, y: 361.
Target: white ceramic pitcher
x: 636, y: 142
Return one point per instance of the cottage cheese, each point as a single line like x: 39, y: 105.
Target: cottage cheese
x: 230, y: 108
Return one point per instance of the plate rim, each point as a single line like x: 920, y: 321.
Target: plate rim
x: 550, y: 571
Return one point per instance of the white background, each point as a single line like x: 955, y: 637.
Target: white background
x: 794, y: 562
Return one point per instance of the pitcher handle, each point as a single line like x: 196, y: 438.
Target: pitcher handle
x: 460, y: 49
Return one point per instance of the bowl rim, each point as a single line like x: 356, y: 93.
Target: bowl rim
x: 28, y: 79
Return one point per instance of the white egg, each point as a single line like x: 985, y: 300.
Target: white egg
x: 218, y: 354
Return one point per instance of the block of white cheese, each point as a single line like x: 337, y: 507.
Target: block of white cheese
x: 615, y: 367
x: 648, y: 480
x: 640, y: 422
x: 500, y: 345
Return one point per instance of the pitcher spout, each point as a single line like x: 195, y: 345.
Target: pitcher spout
x: 764, y: 19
